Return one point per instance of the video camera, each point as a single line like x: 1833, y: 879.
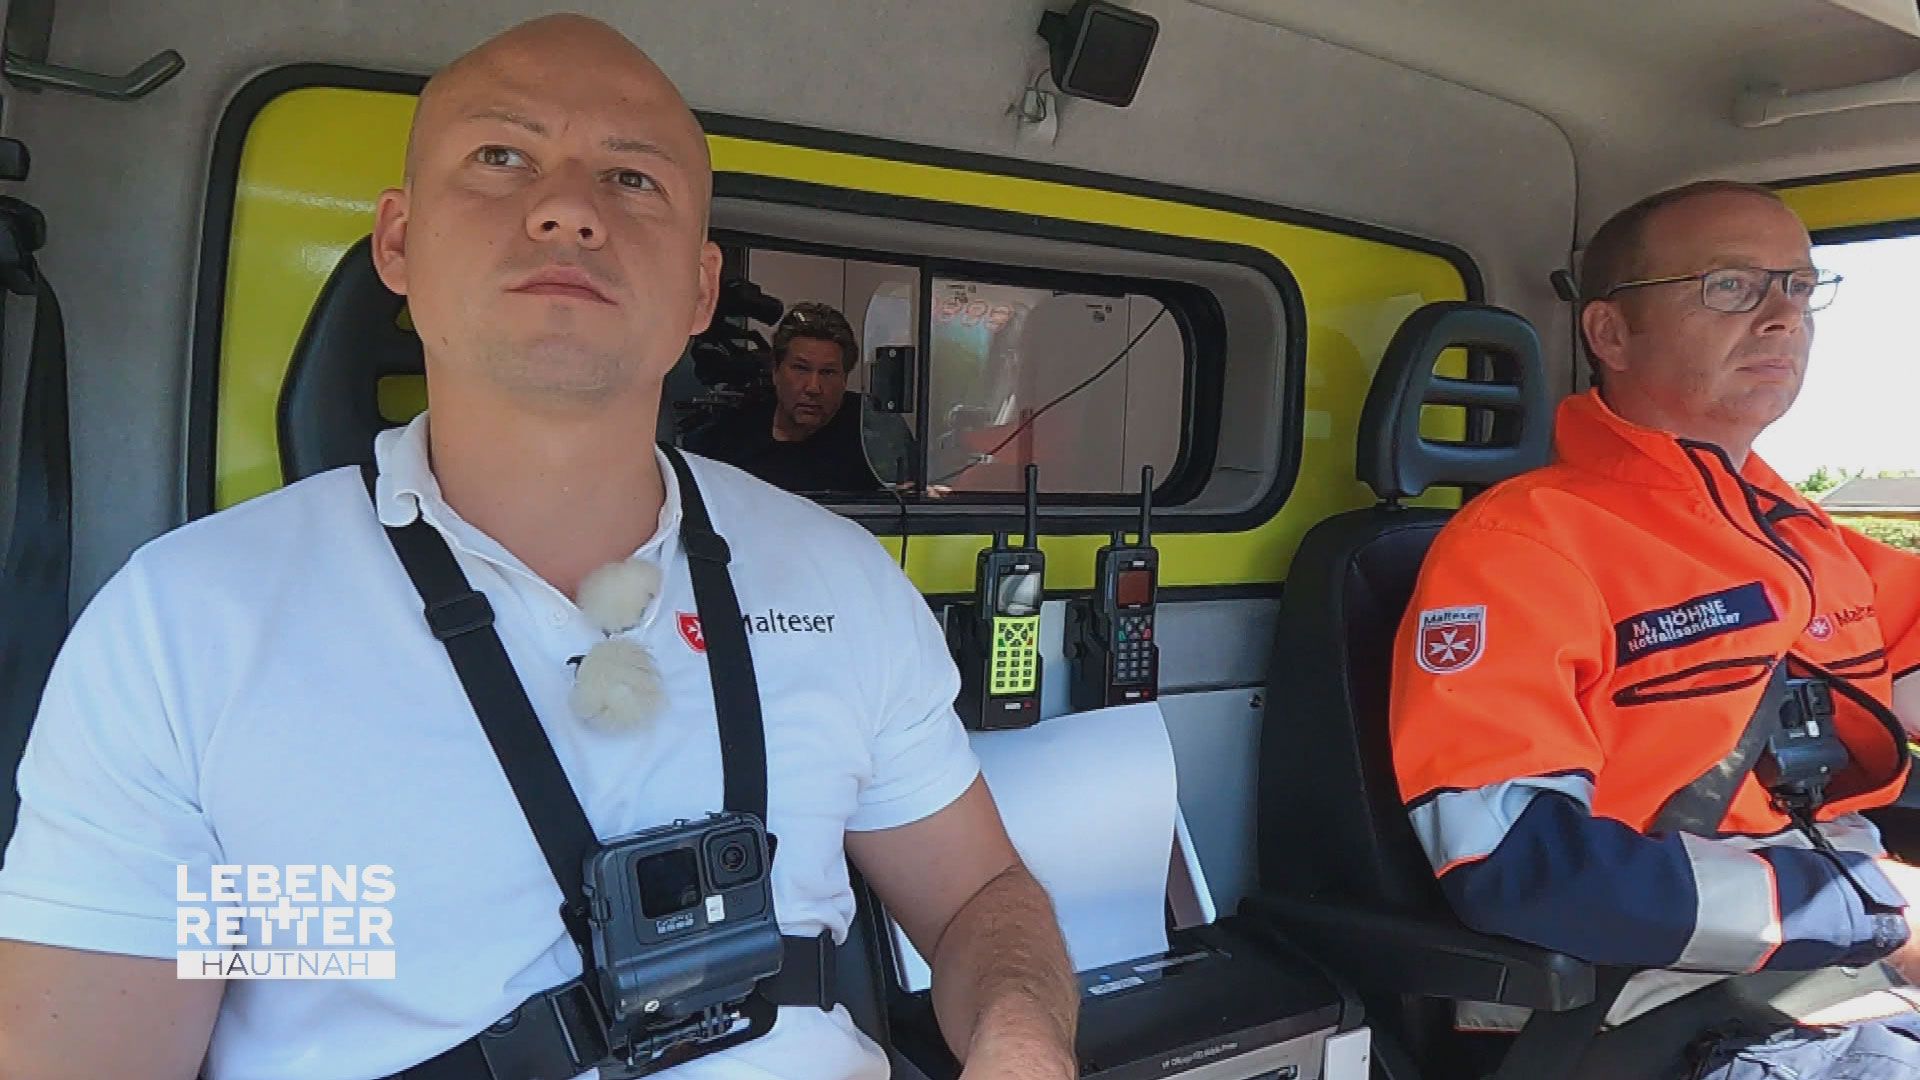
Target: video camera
x: 730, y: 358
x: 729, y: 353
x: 683, y: 927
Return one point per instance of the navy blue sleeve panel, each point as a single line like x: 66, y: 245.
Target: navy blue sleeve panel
x: 1593, y: 888
x: 1815, y: 896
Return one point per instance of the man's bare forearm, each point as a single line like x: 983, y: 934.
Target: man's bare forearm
x: 1002, y: 984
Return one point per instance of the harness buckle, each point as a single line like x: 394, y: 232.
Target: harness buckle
x: 553, y: 1030
x: 656, y: 1049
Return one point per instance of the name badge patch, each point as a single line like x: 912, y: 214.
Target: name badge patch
x: 1693, y: 620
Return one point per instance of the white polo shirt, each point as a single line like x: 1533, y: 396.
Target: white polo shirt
x: 260, y: 688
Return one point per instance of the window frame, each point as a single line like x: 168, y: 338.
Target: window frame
x: 1858, y: 184
x: 1195, y: 312
x: 1088, y: 515
x: 1874, y: 187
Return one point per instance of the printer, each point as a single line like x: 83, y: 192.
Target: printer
x: 1168, y: 989
x: 1225, y: 1003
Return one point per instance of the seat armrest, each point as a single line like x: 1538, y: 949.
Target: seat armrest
x: 1424, y: 956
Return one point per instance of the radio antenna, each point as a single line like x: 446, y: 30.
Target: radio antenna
x: 1146, y: 506
x: 1033, y: 505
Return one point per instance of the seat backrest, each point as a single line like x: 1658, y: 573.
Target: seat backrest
x: 356, y: 335
x: 36, y: 532
x: 330, y: 401
x: 1332, y: 824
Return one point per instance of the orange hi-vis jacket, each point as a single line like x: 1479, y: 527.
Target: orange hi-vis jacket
x: 1590, y: 638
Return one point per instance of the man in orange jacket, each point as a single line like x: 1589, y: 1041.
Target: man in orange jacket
x: 1588, y: 640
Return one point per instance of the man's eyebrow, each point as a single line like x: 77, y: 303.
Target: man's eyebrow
x: 621, y: 144
x: 508, y: 116
x: 1747, y: 261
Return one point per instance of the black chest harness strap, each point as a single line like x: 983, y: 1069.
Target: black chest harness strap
x: 562, y: 1032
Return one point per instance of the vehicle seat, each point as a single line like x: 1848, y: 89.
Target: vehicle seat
x: 356, y: 335
x: 1340, y: 869
x: 36, y: 508
x: 330, y: 401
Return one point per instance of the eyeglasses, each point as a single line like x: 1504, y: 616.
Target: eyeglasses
x: 1739, y: 289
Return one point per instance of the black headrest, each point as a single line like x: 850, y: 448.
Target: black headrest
x: 1393, y: 457
x: 330, y: 402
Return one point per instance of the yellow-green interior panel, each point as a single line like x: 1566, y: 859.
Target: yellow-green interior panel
x: 1850, y: 202
x: 315, y: 160
x: 314, y: 164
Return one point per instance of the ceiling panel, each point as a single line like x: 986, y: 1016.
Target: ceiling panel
x: 1644, y: 89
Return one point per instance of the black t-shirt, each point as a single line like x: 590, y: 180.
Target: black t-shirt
x: 832, y: 460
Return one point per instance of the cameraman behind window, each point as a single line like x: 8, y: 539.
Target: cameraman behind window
x: 809, y: 435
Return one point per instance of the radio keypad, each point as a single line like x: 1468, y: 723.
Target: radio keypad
x: 1133, y: 648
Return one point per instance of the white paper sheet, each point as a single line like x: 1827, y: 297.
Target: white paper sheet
x: 1090, y: 801
x: 1349, y: 1056
x: 1188, y: 897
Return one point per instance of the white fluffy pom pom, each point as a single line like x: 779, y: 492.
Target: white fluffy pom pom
x: 617, y: 594
x: 617, y: 686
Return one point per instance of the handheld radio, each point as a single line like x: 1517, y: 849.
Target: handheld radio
x: 1110, y: 636
x: 996, y: 639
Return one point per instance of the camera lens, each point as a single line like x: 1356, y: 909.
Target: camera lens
x: 733, y: 858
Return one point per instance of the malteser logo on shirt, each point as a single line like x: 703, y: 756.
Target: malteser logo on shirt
x: 1451, y: 639
x: 691, y: 633
x: 769, y: 621
x: 1823, y: 626
x: 787, y: 622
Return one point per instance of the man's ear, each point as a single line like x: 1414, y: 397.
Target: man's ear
x: 708, y: 286
x: 1604, y: 325
x: 390, y: 220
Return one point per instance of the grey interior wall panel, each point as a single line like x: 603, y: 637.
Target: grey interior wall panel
x: 1226, y: 105
x: 1205, y: 645
x: 1216, y: 756
x: 1213, y: 644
